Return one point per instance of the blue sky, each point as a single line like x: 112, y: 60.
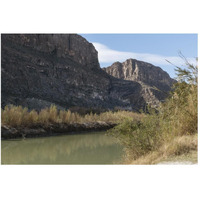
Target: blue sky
x: 152, y: 48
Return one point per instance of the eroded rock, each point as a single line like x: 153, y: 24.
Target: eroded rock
x: 155, y: 83
x: 38, y: 70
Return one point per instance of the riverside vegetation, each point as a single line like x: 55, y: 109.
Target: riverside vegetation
x: 148, y: 138
x: 17, y: 116
x: 170, y: 132
x: 19, y: 122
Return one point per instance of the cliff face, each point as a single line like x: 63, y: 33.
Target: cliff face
x: 154, y: 81
x: 69, y: 46
x: 40, y: 69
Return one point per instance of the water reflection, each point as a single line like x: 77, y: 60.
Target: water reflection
x: 93, y: 148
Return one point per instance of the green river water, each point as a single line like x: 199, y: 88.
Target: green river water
x: 85, y: 148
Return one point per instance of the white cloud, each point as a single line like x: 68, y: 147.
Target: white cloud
x: 107, y: 55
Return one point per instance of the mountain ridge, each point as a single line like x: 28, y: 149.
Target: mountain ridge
x: 155, y: 82
x: 62, y: 69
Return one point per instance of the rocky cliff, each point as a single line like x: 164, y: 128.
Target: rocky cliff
x: 38, y: 70
x: 155, y: 82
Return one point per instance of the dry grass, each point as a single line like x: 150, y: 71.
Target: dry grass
x: 179, y: 146
x: 16, y: 116
x: 148, y: 139
x: 170, y: 132
x: 179, y: 115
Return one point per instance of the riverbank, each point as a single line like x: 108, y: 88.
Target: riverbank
x: 190, y: 158
x: 180, y: 150
x: 168, y: 133
x: 52, y: 129
x: 18, y: 122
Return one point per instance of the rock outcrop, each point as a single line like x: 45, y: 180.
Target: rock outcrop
x: 38, y: 70
x: 155, y: 82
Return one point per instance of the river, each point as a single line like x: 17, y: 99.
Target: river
x: 84, y: 148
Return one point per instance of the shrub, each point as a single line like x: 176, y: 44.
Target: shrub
x: 176, y: 117
x: 138, y: 138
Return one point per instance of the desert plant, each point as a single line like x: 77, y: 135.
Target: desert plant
x: 176, y: 117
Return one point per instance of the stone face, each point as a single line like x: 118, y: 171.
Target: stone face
x: 38, y: 70
x: 69, y: 46
x: 140, y: 71
x: 154, y: 81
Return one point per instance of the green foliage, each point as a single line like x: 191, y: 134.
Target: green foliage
x: 180, y: 110
x: 138, y: 138
x: 177, y: 116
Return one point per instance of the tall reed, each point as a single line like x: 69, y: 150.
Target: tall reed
x: 16, y: 116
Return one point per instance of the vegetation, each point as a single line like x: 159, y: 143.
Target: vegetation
x: 170, y: 131
x: 147, y: 138
x: 180, y: 148
x: 17, y: 116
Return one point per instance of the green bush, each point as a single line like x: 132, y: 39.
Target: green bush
x: 138, y: 138
x: 176, y: 117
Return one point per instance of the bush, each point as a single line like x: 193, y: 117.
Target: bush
x: 176, y: 117
x: 138, y: 138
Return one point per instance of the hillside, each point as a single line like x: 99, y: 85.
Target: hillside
x: 38, y: 70
x: 155, y: 82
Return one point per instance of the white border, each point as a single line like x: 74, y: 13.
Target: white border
x: 99, y: 182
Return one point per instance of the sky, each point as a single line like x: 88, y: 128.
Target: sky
x: 151, y: 48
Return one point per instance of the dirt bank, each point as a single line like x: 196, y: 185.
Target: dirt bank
x: 52, y: 129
